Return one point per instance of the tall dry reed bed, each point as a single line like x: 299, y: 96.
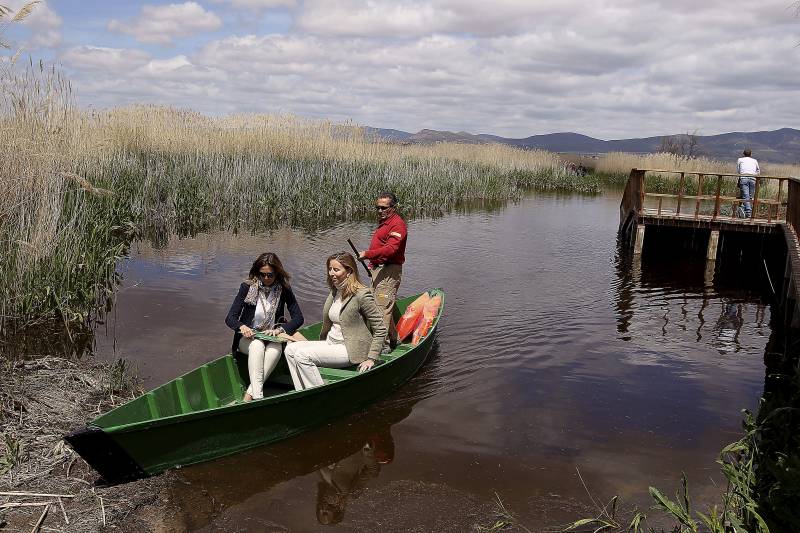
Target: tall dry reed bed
x: 79, y: 186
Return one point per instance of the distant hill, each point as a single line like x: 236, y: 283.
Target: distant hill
x: 779, y: 146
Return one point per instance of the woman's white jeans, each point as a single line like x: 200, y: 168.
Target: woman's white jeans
x: 261, y: 361
x: 305, y: 356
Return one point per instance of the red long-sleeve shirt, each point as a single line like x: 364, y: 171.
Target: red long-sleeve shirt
x: 388, y: 243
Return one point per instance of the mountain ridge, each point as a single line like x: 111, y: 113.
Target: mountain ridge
x: 774, y: 146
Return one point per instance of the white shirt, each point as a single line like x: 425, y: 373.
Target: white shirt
x: 747, y: 165
x: 263, y: 309
x: 335, y: 335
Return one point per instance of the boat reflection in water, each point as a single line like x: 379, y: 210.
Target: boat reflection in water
x: 346, y: 479
x: 248, y: 489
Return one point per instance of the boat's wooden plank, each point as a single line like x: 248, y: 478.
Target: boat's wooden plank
x: 236, y: 388
x: 213, y: 399
x: 340, y: 373
x: 183, y: 401
x: 152, y: 406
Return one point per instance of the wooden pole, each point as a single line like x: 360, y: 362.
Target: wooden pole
x: 754, y: 202
x: 699, y: 195
x: 716, y: 200
x: 639, y: 244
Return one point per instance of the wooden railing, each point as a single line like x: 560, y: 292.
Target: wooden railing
x: 776, y: 198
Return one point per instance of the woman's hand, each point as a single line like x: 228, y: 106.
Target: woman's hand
x: 246, y: 331
x: 366, y: 365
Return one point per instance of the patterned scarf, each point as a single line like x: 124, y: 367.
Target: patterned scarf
x: 269, y: 297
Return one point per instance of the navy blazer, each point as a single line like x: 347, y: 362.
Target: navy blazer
x: 243, y: 313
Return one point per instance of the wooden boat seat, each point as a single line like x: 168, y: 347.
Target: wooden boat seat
x: 335, y: 374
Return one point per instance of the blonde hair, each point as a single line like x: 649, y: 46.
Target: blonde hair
x: 353, y: 283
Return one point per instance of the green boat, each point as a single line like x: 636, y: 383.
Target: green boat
x: 200, y: 416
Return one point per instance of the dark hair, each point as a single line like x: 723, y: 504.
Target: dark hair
x: 389, y: 196
x: 747, y: 152
x: 353, y: 283
x: 268, y: 258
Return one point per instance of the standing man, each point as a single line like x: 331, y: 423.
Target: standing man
x: 386, y: 255
x: 749, y: 167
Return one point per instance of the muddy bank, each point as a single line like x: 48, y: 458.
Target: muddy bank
x: 41, y: 399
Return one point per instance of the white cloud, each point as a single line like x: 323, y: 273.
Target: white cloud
x: 258, y: 5
x: 44, y: 23
x: 112, y: 61
x: 612, y: 69
x: 410, y: 18
x: 163, y: 24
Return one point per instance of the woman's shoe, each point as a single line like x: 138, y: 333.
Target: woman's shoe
x: 247, y: 397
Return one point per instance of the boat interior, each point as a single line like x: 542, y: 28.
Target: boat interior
x: 222, y: 383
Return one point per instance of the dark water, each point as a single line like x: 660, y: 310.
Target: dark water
x: 554, y: 355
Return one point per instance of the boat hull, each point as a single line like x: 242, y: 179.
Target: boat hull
x: 150, y: 447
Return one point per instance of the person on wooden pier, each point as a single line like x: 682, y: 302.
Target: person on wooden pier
x: 386, y: 255
x: 746, y: 167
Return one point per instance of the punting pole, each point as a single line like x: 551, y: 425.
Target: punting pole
x: 355, y: 251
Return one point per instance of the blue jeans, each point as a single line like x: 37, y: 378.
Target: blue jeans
x: 748, y: 187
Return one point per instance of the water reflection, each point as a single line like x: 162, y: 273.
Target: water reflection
x: 687, y: 298
x: 346, y: 479
x: 728, y: 327
x: 340, y: 459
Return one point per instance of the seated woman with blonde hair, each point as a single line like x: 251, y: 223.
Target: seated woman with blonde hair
x: 352, y: 332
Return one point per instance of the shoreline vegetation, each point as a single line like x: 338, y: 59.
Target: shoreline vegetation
x: 43, y: 482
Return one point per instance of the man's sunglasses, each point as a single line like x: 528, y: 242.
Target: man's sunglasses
x: 383, y: 207
x: 268, y: 275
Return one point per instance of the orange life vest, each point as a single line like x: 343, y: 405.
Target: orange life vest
x: 412, y: 316
x: 429, y: 312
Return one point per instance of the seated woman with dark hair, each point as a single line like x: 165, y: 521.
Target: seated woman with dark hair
x: 259, y: 306
x: 352, y: 332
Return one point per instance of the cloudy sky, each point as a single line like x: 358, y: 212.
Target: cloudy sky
x: 606, y: 68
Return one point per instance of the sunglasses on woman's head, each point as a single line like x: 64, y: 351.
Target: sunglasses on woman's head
x: 268, y: 275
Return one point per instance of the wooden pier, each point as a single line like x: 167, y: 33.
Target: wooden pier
x: 708, y: 202
x: 704, y: 201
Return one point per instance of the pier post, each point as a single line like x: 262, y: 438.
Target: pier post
x: 708, y: 275
x: 639, y: 243
x: 713, y: 244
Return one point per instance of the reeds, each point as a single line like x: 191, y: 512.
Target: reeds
x: 79, y: 186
